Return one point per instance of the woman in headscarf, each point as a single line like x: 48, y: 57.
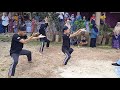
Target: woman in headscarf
x: 94, y: 34
x: 92, y: 19
x: 67, y: 23
x: 33, y: 25
x: 116, y: 37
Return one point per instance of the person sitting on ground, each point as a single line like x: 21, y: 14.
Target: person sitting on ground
x: 83, y: 41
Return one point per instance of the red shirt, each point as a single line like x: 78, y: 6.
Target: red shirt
x: 93, y: 17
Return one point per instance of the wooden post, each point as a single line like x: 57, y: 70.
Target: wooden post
x: 98, y: 14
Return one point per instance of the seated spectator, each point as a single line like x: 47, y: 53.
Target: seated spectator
x: 83, y: 41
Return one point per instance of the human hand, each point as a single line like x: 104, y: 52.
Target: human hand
x: 41, y: 36
x: 35, y: 34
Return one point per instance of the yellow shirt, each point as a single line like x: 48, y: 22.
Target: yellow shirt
x: 16, y: 18
x: 103, y: 17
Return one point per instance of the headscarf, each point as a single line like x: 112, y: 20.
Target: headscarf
x: 95, y: 28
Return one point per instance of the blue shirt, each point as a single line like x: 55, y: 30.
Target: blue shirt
x: 93, y: 33
x: 78, y: 17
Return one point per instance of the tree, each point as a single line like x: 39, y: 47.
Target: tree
x: 53, y: 21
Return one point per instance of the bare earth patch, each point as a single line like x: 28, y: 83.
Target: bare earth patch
x: 85, y: 62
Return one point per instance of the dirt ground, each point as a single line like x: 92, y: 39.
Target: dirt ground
x: 86, y: 62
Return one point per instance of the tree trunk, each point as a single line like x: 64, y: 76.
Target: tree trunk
x: 51, y: 28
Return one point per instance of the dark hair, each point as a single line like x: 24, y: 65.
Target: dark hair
x: 22, y: 27
x: 65, y: 28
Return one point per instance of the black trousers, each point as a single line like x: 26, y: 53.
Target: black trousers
x: 68, y: 53
x: 43, y: 40
x: 15, y: 58
x: 93, y: 42
x: 5, y: 28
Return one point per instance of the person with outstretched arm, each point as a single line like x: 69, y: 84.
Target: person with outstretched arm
x: 42, y: 30
x: 18, y: 40
x: 66, y: 49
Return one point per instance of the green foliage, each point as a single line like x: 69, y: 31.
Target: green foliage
x: 81, y: 24
x: 105, y: 29
x: 56, y: 21
x: 90, y: 25
x: 53, y: 16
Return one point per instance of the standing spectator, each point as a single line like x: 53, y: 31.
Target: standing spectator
x: 11, y: 25
x: 25, y: 16
x: 19, y: 20
x: 67, y: 23
x: 33, y: 25
x: 78, y: 17
x: 38, y: 24
x: 61, y: 19
x: 28, y: 26
x: 102, y: 19
x: 116, y: 37
x: 72, y: 18
x: 42, y: 30
x: 92, y: 19
x: 37, y: 17
x: 87, y: 26
x: 116, y: 41
x: 16, y: 17
x: 94, y: 34
x: 66, y: 16
x: 15, y: 26
x: 5, y: 22
x: 84, y: 19
x: 1, y: 27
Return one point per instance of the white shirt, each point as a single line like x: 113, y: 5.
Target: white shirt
x: 5, y: 20
x: 60, y: 16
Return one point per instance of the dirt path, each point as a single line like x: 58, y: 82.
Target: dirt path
x: 85, y: 63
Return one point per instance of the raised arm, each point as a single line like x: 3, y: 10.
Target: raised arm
x: 24, y: 41
x: 75, y: 34
x: 33, y: 37
x: 38, y: 37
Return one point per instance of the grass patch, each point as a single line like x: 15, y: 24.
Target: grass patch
x: 5, y: 38
x: 104, y: 46
x: 35, y: 43
x: 2, y: 69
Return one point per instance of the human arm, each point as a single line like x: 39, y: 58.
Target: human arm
x: 33, y: 37
x: 38, y: 37
x: 24, y: 41
x: 75, y: 34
